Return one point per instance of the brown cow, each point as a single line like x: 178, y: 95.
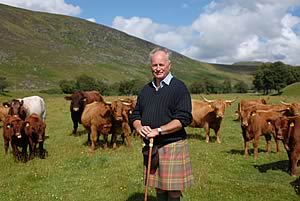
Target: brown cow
x: 259, y: 124
x: 294, y: 107
x: 4, y: 108
x: 96, y: 119
x: 13, y: 133
x: 247, y: 103
x: 120, y: 123
x: 79, y: 100
x: 288, y: 130
x: 209, y: 115
x: 34, y: 128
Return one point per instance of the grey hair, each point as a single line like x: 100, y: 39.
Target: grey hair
x: 157, y: 49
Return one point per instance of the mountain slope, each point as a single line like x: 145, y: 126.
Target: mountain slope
x: 40, y: 49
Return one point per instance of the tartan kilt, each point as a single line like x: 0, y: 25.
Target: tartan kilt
x: 174, y: 171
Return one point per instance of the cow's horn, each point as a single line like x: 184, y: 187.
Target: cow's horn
x: 230, y: 101
x: 285, y: 103
x: 210, y: 101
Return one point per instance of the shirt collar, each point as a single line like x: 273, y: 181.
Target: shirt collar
x: 166, y: 81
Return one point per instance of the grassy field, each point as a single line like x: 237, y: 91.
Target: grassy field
x: 70, y: 173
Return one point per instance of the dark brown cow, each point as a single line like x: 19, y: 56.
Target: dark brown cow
x: 96, y: 119
x: 258, y: 125
x: 34, y: 128
x: 13, y: 133
x: 120, y: 123
x: 208, y: 114
x: 79, y: 100
x: 17, y: 108
x: 288, y: 130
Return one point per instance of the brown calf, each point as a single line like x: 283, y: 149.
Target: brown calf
x: 96, y: 119
x: 34, y: 128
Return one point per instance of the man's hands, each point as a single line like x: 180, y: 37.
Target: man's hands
x: 147, y: 132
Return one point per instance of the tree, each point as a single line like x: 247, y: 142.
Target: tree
x: 3, y: 84
x: 226, y: 85
x: 67, y: 86
x: 241, y: 87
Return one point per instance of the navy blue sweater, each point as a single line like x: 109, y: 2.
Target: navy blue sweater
x: 156, y: 108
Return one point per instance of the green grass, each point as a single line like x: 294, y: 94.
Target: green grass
x: 292, y: 90
x: 70, y: 173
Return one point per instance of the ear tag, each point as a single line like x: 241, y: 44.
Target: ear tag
x: 8, y: 126
x: 269, y: 122
x: 130, y: 112
x: 292, y: 124
x: 253, y: 114
x: 27, y: 124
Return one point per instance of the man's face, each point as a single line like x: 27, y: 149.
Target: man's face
x: 160, y: 65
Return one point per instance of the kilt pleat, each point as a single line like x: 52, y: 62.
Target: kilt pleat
x: 174, y: 171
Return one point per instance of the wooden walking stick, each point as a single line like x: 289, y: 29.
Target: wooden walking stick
x: 148, y: 169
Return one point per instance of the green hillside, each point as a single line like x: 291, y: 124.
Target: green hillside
x: 40, y: 49
x: 292, y: 90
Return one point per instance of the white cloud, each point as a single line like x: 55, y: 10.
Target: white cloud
x: 50, y: 6
x: 91, y: 20
x: 229, y: 31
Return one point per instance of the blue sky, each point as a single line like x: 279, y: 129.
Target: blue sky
x: 219, y: 31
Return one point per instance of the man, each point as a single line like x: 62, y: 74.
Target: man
x: 162, y: 111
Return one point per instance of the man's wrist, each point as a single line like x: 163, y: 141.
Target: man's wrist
x: 159, y: 131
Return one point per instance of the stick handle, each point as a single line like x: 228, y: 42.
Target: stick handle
x: 148, y: 169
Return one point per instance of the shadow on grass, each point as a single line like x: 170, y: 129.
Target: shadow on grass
x: 278, y: 165
x: 201, y: 137
x: 78, y: 133
x: 139, y: 197
x: 296, y: 185
x: 241, y: 152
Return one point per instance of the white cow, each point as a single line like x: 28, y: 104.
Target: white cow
x: 34, y: 104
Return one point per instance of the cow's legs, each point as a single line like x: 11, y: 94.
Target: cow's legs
x: 113, y: 141
x: 217, y: 132
x: 294, y: 160
x: 6, y: 145
x: 94, y: 138
x: 268, y: 143
x: 255, y: 146
x: 75, y: 126
x: 246, y: 148
x: 277, y: 144
x: 206, y: 128
x: 105, y: 137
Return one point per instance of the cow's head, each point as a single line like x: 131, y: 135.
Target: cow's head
x: 36, y: 128
x: 16, y: 124
x: 16, y: 107
x: 293, y: 107
x: 120, y: 109
x: 219, y: 106
x: 78, y: 101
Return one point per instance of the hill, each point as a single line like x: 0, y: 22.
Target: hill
x: 292, y: 90
x: 40, y: 49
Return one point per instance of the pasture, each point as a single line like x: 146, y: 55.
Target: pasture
x: 70, y: 173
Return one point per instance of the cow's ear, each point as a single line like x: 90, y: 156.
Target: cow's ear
x: 269, y: 121
x: 26, y: 124
x: 68, y: 97
x: 84, y: 99
x: 8, y: 125
x: 6, y: 104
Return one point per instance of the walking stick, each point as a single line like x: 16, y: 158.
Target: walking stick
x: 148, y: 169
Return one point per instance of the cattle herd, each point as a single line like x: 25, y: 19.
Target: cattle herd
x: 24, y: 123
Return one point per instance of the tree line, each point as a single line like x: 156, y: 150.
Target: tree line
x: 268, y: 78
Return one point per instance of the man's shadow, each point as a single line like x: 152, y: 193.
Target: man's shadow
x: 139, y: 197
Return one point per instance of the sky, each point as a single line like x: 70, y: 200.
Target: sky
x: 215, y: 31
